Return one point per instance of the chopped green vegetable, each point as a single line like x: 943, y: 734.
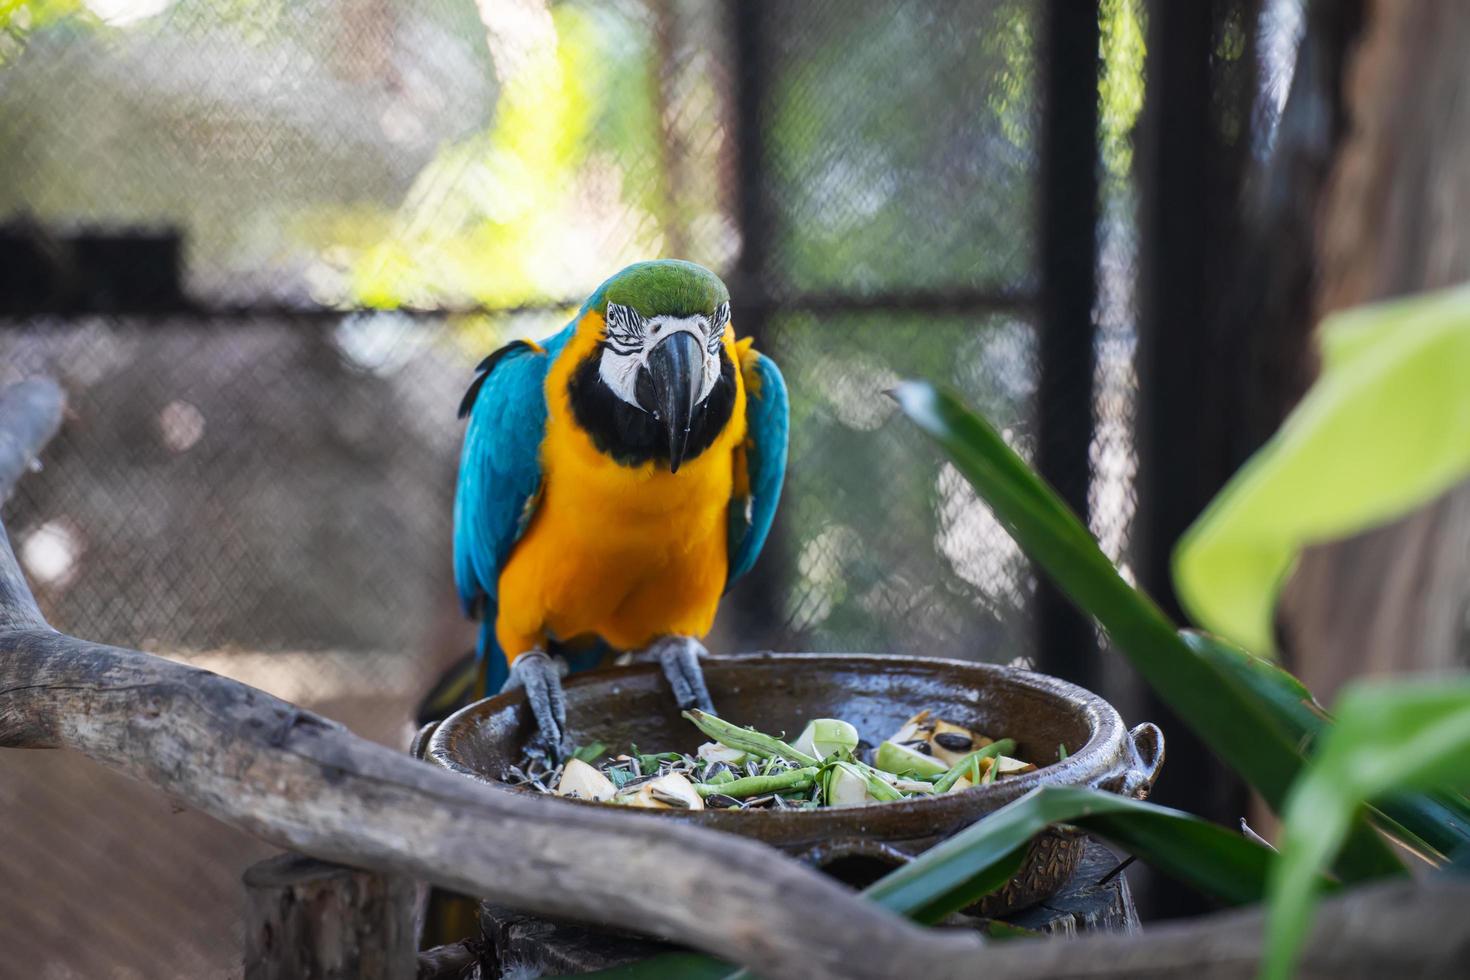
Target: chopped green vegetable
x: 902, y: 760
x: 651, y: 761
x: 589, y: 753
x: 747, y: 739
x: 847, y: 782
x: 744, y: 769
x: 960, y: 768
x: 824, y: 737
x: 792, y: 779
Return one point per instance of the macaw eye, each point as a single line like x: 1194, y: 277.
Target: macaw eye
x: 625, y: 330
x: 717, y: 325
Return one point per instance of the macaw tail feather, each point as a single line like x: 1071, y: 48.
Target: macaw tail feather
x: 453, y: 690
x: 478, y: 674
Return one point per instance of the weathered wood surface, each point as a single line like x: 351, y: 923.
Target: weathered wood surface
x: 307, y: 918
x: 456, y: 961
x: 1395, y: 219
x: 1096, y: 899
x: 1404, y: 929
x: 518, y: 944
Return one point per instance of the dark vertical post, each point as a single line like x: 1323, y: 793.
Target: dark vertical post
x: 1069, y: 190
x: 757, y: 600
x: 1192, y: 161
x: 748, y: 24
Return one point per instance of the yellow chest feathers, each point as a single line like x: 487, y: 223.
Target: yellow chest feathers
x: 626, y: 552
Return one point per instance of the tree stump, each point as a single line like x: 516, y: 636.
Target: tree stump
x: 307, y: 918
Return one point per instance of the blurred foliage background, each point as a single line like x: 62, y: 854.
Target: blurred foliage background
x: 483, y: 167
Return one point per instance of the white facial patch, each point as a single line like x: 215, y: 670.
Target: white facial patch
x: 630, y: 338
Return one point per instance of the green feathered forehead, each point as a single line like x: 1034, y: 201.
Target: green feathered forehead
x: 666, y: 287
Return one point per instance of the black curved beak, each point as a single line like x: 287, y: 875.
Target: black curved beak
x: 676, y: 366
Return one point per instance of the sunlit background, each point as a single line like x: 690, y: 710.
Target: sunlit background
x: 373, y: 194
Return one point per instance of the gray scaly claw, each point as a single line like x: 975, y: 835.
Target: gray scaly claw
x: 540, y: 677
x: 679, y: 657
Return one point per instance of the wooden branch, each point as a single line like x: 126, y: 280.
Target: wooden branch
x: 1402, y: 929
x: 307, y: 918
x: 299, y: 781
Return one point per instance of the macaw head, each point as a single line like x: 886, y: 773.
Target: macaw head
x: 664, y: 377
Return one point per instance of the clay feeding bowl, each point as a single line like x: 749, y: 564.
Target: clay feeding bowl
x: 778, y: 692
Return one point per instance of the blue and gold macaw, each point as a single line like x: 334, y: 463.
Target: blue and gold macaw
x: 615, y: 480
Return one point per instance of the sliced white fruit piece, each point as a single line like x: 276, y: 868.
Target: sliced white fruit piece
x: 962, y: 783
x: 913, y: 786
x: 824, y: 736
x: 715, y: 752
x: 669, y: 792
x: 582, y: 781
x: 1006, y: 766
x: 846, y: 786
x: 919, y: 726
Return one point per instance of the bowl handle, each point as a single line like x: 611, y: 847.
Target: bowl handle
x: 1145, y: 759
x: 420, y: 744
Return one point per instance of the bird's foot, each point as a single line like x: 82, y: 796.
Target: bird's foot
x: 679, y: 657
x: 540, y: 676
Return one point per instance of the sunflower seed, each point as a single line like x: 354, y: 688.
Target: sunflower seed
x: 954, y: 741
x: 635, y: 782
x: 678, y: 802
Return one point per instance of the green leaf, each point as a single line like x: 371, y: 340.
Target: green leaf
x: 1383, y: 430
x: 1435, y: 824
x: 1242, y: 728
x: 969, y: 763
x: 589, y: 753
x: 1002, y: 931
x: 1388, y: 736
x: 976, y: 861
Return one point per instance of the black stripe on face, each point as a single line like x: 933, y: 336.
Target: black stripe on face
x: 630, y: 435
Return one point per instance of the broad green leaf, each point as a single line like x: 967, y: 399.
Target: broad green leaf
x: 1435, y: 824
x: 976, y: 861
x: 1385, y: 429
x: 1244, y: 729
x: 1388, y: 736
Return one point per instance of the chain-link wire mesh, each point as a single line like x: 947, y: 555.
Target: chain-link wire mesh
x: 264, y: 489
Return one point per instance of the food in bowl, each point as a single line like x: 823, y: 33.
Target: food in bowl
x: 742, y: 769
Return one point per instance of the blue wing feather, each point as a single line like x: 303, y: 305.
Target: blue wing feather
x: 500, y: 466
x: 767, y: 419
